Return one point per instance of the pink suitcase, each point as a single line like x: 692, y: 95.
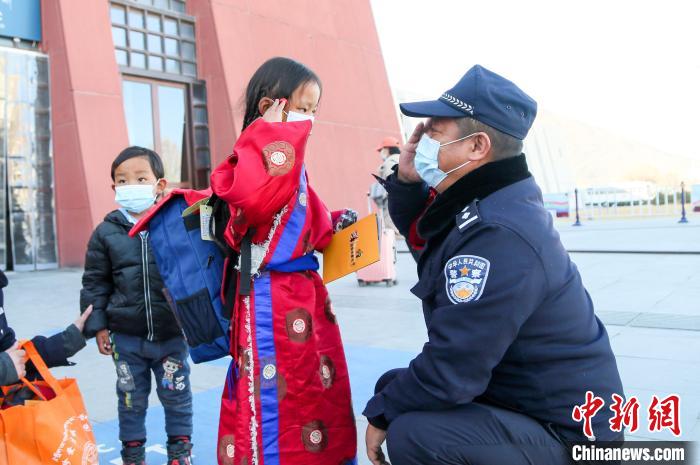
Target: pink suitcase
x: 384, y: 271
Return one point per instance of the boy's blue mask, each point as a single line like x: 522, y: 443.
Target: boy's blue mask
x: 135, y: 198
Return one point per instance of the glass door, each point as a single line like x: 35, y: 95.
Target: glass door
x: 27, y: 222
x: 156, y: 118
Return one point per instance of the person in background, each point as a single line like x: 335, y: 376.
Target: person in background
x: 54, y: 350
x: 389, y: 151
x: 132, y: 321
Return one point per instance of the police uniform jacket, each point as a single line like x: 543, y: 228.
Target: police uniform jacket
x: 509, y: 321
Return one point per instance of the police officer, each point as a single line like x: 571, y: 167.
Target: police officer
x: 513, y: 342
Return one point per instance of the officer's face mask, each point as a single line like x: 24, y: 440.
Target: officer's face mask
x: 427, y: 161
x: 136, y: 198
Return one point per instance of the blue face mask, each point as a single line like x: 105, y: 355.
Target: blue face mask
x: 135, y: 198
x: 427, y: 161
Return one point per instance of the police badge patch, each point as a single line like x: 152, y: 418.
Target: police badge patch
x: 465, y: 278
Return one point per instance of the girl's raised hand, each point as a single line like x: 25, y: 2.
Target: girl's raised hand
x: 274, y: 113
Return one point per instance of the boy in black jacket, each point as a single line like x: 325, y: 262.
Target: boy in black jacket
x: 131, y: 319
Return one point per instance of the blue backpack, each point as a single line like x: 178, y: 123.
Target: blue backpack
x: 192, y: 270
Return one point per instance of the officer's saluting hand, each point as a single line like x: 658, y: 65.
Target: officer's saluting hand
x: 513, y: 342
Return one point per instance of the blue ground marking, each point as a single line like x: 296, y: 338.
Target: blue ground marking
x: 366, y: 365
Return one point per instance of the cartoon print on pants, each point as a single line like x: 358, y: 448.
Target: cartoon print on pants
x: 125, y: 381
x: 170, y: 367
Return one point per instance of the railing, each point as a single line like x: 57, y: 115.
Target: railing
x: 595, y: 203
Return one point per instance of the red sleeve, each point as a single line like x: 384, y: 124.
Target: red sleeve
x: 414, y: 239
x: 262, y: 174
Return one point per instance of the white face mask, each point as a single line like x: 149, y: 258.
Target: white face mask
x: 427, y: 160
x: 135, y: 198
x: 293, y: 116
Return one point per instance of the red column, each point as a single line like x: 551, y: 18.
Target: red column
x: 88, y: 126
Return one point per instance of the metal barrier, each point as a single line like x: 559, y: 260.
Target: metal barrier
x: 600, y: 203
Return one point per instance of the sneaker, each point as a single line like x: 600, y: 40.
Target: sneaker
x: 180, y: 452
x: 134, y: 453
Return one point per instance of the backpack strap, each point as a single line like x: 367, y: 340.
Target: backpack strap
x: 246, y: 259
x: 220, y: 217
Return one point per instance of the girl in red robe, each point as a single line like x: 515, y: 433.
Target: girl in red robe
x: 288, y: 390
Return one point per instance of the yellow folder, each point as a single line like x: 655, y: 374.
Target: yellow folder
x: 352, y: 248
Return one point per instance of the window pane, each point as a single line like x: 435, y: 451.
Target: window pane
x: 161, y: 4
x: 119, y: 36
x: 139, y: 113
x: 187, y: 30
x: 172, y: 66
x: 155, y: 63
x: 153, y: 23
x: 188, y: 50
x: 154, y: 44
x: 136, y: 18
x: 171, y: 47
x: 170, y: 26
x: 136, y: 40
x: 171, y: 107
x: 121, y: 57
x: 117, y: 14
x: 138, y: 60
x: 200, y: 115
x: 189, y: 69
x: 177, y: 5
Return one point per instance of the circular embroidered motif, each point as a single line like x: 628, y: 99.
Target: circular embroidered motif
x: 278, y: 157
x: 298, y: 325
x: 269, y: 371
x: 281, y: 387
x: 227, y: 450
x: 326, y: 371
x: 302, y: 199
x: 306, y: 243
x: 314, y: 436
x: 328, y: 310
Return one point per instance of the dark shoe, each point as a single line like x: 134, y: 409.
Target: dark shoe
x: 180, y: 452
x: 134, y: 453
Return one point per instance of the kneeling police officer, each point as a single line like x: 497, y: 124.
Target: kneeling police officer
x: 513, y: 342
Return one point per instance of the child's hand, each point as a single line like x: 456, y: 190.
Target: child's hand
x: 80, y: 322
x: 19, y: 358
x: 274, y: 113
x: 104, y: 345
x: 346, y: 218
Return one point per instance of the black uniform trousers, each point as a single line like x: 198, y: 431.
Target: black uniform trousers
x: 474, y: 434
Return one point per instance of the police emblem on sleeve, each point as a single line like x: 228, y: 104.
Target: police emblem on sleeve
x: 465, y: 278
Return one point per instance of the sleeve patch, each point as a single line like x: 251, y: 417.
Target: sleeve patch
x: 278, y: 157
x: 465, y: 278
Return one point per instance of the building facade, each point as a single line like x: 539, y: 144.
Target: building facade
x: 82, y: 79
